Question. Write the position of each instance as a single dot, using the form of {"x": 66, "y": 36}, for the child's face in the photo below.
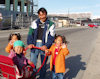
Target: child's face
{"x": 14, "y": 38}
{"x": 18, "y": 49}
{"x": 58, "y": 41}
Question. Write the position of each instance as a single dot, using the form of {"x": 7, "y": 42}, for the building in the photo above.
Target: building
{"x": 61, "y": 21}
{"x": 8, "y": 7}
{"x": 17, "y": 5}
{"x": 97, "y": 21}
{"x": 17, "y": 12}
{"x": 75, "y": 19}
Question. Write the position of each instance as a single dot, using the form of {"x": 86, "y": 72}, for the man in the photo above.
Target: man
{"x": 41, "y": 34}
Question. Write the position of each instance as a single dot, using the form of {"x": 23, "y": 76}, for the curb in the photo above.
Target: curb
{"x": 13, "y": 30}
{"x": 57, "y": 28}
{"x": 24, "y": 31}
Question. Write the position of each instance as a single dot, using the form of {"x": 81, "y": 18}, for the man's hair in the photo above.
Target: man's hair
{"x": 43, "y": 10}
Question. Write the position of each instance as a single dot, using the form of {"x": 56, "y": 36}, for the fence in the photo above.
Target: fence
{"x": 20, "y": 21}
{"x": 5, "y": 22}
{"x": 23, "y": 21}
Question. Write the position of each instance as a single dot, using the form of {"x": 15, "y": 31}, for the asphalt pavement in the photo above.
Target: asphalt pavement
{"x": 93, "y": 68}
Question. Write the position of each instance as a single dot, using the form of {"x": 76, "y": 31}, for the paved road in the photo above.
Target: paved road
{"x": 81, "y": 44}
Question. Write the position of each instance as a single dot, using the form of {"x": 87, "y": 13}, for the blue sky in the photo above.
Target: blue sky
{"x": 74, "y": 6}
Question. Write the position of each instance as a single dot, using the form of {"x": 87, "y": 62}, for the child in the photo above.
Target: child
{"x": 12, "y": 39}
{"x": 18, "y": 57}
{"x": 58, "y": 51}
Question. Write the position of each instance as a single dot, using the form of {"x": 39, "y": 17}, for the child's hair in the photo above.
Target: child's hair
{"x": 63, "y": 38}
{"x": 12, "y": 34}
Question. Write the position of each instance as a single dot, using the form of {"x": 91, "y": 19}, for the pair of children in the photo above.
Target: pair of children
{"x": 58, "y": 51}
{"x": 16, "y": 49}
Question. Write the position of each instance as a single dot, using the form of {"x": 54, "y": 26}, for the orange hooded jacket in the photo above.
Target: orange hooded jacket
{"x": 60, "y": 59}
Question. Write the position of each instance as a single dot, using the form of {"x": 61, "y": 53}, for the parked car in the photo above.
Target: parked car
{"x": 93, "y": 25}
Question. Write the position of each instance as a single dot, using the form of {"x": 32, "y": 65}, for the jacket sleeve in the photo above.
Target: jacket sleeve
{"x": 8, "y": 48}
{"x": 65, "y": 51}
{"x": 12, "y": 54}
{"x": 51, "y": 35}
{"x": 30, "y": 37}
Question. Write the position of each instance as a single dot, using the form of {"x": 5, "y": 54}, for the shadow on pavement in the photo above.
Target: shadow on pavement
{"x": 48, "y": 72}
{"x": 73, "y": 66}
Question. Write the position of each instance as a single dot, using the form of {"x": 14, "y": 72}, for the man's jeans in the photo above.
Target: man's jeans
{"x": 56, "y": 75}
{"x": 34, "y": 57}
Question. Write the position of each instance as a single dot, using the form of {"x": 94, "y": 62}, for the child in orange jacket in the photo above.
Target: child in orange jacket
{"x": 58, "y": 51}
{"x": 12, "y": 38}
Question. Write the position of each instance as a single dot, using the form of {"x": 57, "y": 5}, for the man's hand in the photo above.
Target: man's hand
{"x": 30, "y": 46}
{"x": 44, "y": 48}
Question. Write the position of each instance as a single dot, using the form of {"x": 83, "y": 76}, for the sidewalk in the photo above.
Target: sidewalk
{"x": 93, "y": 67}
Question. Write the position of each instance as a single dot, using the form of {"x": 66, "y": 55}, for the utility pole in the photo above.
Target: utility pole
{"x": 11, "y": 21}
{"x": 68, "y": 18}
{"x": 32, "y": 7}
{"x": 27, "y": 7}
